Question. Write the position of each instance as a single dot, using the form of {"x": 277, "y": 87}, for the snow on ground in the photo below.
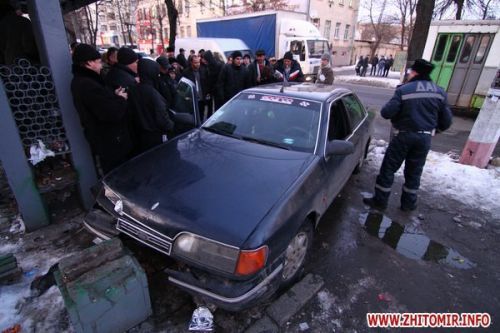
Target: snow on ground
{"x": 443, "y": 175}
{"x": 376, "y": 81}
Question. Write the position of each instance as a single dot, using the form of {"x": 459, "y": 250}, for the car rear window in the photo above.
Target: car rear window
{"x": 287, "y": 121}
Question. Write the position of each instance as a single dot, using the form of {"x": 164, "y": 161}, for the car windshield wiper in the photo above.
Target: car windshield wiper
{"x": 265, "y": 142}
{"x": 221, "y": 132}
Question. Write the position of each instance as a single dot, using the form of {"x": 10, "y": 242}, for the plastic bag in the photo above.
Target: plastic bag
{"x": 201, "y": 320}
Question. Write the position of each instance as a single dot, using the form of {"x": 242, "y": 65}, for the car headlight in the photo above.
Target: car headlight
{"x": 110, "y": 195}
{"x": 206, "y": 252}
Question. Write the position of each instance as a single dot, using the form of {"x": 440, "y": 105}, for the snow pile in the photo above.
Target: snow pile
{"x": 478, "y": 188}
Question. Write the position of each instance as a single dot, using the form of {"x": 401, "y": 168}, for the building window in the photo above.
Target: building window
{"x": 316, "y": 21}
{"x": 112, "y": 27}
{"x": 182, "y": 32}
{"x": 188, "y": 31}
{"x": 104, "y": 27}
{"x": 180, "y": 7}
{"x": 350, "y": 3}
{"x": 341, "y": 2}
{"x": 346, "y": 32}
{"x": 336, "y": 34}
{"x": 328, "y": 27}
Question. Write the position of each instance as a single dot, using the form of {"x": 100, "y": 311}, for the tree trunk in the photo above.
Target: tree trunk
{"x": 172, "y": 21}
{"x": 420, "y": 31}
{"x": 160, "y": 24}
{"x": 460, "y": 8}
{"x": 120, "y": 17}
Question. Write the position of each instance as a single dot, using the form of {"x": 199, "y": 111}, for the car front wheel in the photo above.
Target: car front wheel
{"x": 296, "y": 253}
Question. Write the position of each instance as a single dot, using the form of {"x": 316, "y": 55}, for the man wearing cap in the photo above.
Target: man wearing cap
{"x": 124, "y": 72}
{"x": 260, "y": 71}
{"x": 233, "y": 78}
{"x": 325, "y": 73}
{"x": 103, "y": 114}
{"x": 417, "y": 109}
{"x": 181, "y": 58}
{"x": 288, "y": 69}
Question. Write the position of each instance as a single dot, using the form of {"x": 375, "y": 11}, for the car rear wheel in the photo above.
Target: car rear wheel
{"x": 296, "y": 253}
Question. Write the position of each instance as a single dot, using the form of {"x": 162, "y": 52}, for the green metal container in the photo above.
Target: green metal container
{"x": 104, "y": 289}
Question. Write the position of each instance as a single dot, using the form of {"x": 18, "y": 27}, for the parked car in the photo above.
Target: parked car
{"x": 236, "y": 200}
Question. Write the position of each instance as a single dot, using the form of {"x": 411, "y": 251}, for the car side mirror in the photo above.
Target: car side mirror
{"x": 339, "y": 147}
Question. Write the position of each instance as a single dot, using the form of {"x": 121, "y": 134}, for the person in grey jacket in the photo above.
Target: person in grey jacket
{"x": 417, "y": 109}
{"x": 325, "y": 73}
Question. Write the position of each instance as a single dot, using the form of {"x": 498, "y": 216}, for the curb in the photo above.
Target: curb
{"x": 287, "y": 305}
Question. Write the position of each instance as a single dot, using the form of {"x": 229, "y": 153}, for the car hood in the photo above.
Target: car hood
{"x": 215, "y": 186}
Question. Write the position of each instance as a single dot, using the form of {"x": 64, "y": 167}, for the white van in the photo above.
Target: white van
{"x": 220, "y": 47}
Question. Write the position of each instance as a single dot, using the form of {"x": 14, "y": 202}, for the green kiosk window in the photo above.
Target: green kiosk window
{"x": 438, "y": 55}
{"x": 455, "y": 45}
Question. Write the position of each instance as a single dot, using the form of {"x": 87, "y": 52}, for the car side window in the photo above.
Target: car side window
{"x": 354, "y": 109}
{"x": 339, "y": 127}
{"x": 184, "y": 98}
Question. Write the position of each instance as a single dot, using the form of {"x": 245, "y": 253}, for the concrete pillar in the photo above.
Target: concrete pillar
{"x": 53, "y": 46}
{"x": 485, "y": 132}
{"x": 18, "y": 171}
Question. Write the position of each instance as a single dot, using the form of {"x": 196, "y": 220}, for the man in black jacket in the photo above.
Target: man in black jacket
{"x": 103, "y": 114}
{"x": 148, "y": 108}
{"x": 416, "y": 110}
{"x": 124, "y": 73}
{"x": 199, "y": 76}
{"x": 260, "y": 71}
{"x": 233, "y": 78}
{"x": 374, "y": 62}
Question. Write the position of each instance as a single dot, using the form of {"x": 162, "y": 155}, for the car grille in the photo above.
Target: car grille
{"x": 145, "y": 236}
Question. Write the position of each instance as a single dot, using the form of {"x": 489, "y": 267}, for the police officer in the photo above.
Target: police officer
{"x": 417, "y": 109}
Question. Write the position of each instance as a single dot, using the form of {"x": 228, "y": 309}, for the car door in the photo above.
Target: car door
{"x": 185, "y": 111}
{"x": 338, "y": 167}
{"x": 357, "y": 119}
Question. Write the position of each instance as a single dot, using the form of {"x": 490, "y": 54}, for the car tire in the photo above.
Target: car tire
{"x": 296, "y": 254}
{"x": 362, "y": 159}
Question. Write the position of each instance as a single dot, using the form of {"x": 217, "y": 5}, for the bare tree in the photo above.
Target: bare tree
{"x": 91, "y": 18}
{"x": 126, "y": 11}
{"x": 260, "y": 5}
{"x": 484, "y": 6}
{"x": 379, "y": 27}
{"x": 161, "y": 13}
{"x": 406, "y": 19}
{"x": 458, "y": 6}
{"x": 423, "y": 20}
{"x": 173, "y": 14}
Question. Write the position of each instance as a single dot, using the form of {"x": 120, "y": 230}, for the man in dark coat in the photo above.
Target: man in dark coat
{"x": 260, "y": 70}
{"x": 148, "y": 108}
{"x": 388, "y": 64}
{"x": 374, "y": 62}
{"x": 199, "y": 76}
{"x": 214, "y": 67}
{"x": 364, "y": 66}
{"x": 233, "y": 78}
{"x": 181, "y": 58}
{"x": 416, "y": 110}
{"x": 124, "y": 73}
{"x": 103, "y": 114}
{"x": 16, "y": 36}
{"x": 289, "y": 69}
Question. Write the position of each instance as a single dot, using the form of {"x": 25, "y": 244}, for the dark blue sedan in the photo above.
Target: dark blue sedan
{"x": 237, "y": 199}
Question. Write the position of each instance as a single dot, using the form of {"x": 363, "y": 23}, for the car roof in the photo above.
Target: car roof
{"x": 305, "y": 90}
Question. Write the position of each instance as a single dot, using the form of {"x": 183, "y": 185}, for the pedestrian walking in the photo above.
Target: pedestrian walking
{"x": 359, "y": 64}
{"x": 373, "y": 62}
{"x": 417, "y": 109}
{"x": 364, "y": 66}
{"x": 381, "y": 66}
{"x": 325, "y": 73}
{"x": 181, "y": 58}
{"x": 199, "y": 76}
{"x": 388, "y": 64}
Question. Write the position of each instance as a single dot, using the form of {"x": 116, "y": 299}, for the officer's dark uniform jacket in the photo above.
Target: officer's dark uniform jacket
{"x": 418, "y": 105}
{"x": 416, "y": 109}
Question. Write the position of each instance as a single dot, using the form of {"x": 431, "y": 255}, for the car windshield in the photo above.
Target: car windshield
{"x": 279, "y": 121}
{"x": 317, "y": 48}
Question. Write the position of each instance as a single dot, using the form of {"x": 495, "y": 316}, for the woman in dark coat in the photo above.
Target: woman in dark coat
{"x": 148, "y": 108}
{"x": 103, "y": 114}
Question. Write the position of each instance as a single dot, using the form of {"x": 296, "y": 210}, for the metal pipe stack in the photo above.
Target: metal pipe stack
{"x": 34, "y": 105}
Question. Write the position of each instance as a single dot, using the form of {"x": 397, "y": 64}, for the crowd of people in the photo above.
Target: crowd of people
{"x": 123, "y": 100}
{"x": 379, "y": 66}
